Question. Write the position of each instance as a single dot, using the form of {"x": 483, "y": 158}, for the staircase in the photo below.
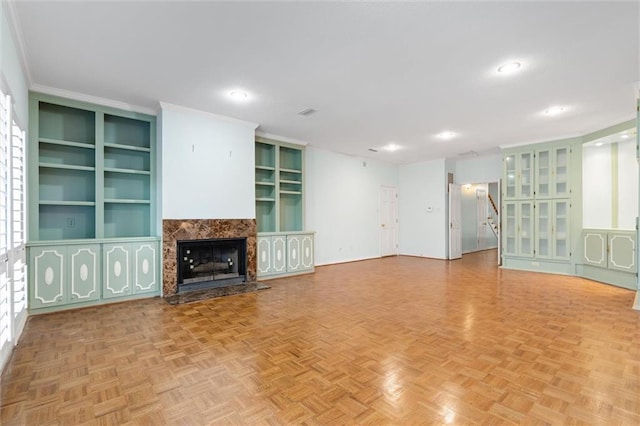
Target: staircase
{"x": 493, "y": 219}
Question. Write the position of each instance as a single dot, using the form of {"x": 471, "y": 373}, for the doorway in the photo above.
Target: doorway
{"x": 388, "y": 221}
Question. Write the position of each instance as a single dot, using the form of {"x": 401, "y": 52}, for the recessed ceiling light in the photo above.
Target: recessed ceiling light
{"x": 509, "y": 68}
{"x": 598, "y": 143}
{"x": 625, "y": 136}
{"x": 391, "y": 147}
{"x": 554, "y": 110}
{"x": 446, "y": 134}
{"x": 239, "y": 95}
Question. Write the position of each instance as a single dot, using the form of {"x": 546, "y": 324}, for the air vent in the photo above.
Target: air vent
{"x": 306, "y": 111}
{"x": 468, "y": 154}
{"x": 373, "y": 150}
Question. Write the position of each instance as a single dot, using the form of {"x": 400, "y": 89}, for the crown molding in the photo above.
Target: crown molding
{"x": 92, "y": 99}
{"x": 187, "y": 110}
{"x": 281, "y": 138}
{"x": 16, "y": 32}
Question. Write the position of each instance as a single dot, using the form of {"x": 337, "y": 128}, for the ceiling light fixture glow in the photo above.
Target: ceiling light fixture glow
{"x": 239, "y": 95}
{"x": 625, "y": 136}
{"x": 509, "y": 68}
{"x": 391, "y": 147}
{"x": 554, "y": 110}
{"x": 446, "y": 134}
{"x": 599, "y": 144}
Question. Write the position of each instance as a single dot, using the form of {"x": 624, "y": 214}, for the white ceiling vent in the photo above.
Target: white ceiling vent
{"x": 306, "y": 111}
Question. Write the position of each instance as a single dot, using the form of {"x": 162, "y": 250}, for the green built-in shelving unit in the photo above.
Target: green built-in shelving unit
{"x": 92, "y": 217}
{"x": 279, "y": 186}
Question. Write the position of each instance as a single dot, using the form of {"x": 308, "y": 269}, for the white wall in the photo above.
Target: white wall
{"x": 596, "y": 186}
{"x": 12, "y": 77}
{"x": 627, "y": 185}
{"x": 422, "y": 197}
{"x": 479, "y": 170}
{"x": 207, "y": 165}
{"x": 341, "y": 204}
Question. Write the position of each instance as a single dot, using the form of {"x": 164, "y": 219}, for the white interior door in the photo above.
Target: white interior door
{"x": 481, "y": 217}
{"x": 455, "y": 221}
{"x": 388, "y": 221}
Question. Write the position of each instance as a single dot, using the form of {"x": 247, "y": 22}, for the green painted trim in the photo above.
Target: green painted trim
{"x": 615, "y": 186}
{"x": 609, "y": 130}
{"x": 607, "y": 276}
{"x": 90, "y": 107}
{"x": 67, "y": 307}
{"x": 99, "y": 177}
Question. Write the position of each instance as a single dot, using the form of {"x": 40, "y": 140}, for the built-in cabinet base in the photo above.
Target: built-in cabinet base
{"x": 283, "y": 254}
{"x": 65, "y": 275}
{"x": 537, "y": 265}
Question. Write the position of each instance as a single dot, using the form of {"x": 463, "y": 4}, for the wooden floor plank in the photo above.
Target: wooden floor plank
{"x": 397, "y": 340}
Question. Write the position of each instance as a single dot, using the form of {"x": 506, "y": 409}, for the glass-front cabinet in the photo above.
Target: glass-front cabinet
{"x": 552, "y": 229}
{"x": 536, "y": 208}
{"x": 552, "y": 172}
{"x": 518, "y": 175}
{"x": 518, "y": 216}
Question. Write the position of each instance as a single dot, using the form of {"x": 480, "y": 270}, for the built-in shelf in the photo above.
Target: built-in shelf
{"x": 129, "y": 171}
{"x": 66, "y": 203}
{"x": 66, "y": 166}
{"x": 67, "y": 143}
{"x": 127, "y": 147}
{"x": 290, "y": 170}
{"x": 279, "y": 187}
{"x": 92, "y": 171}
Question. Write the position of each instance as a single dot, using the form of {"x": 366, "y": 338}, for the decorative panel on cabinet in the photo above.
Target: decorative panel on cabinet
{"x": 272, "y": 255}
{"x": 130, "y": 268}
{"x": 610, "y": 256}
{"x": 64, "y": 275}
{"x": 283, "y": 254}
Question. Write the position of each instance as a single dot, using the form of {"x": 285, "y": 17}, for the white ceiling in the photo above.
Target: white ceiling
{"x": 375, "y": 72}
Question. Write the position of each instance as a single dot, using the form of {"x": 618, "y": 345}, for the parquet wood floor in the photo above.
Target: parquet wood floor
{"x": 397, "y": 340}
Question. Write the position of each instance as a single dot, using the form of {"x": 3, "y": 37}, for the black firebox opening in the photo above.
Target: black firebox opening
{"x": 211, "y": 263}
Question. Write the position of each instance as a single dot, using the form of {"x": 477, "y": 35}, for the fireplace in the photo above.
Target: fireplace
{"x": 211, "y": 263}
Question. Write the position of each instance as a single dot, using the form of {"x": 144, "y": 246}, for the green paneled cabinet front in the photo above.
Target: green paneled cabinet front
{"x": 299, "y": 252}
{"x": 63, "y": 275}
{"x": 129, "y": 268}
{"x": 272, "y": 255}
{"x": 281, "y": 254}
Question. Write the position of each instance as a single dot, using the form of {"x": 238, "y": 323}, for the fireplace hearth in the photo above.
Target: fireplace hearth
{"x": 211, "y": 263}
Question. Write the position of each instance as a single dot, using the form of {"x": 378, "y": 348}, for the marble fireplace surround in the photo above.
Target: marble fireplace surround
{"x": 174, "y": 230}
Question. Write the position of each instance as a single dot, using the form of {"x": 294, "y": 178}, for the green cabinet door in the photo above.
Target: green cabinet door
{"x": 279, "y": 254}
{"x": 595, "y": 248}
{"x": 307, "y": 252}
{"x": 47, "y": 269}
{"x": 294, "y": 261}
{"x": 84, "y": 273}
{"x": 145, "y": 267}
{"x": 265, "y": 265}
{"x": 117, "y": 268}
{"x": 622, "y": 251}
